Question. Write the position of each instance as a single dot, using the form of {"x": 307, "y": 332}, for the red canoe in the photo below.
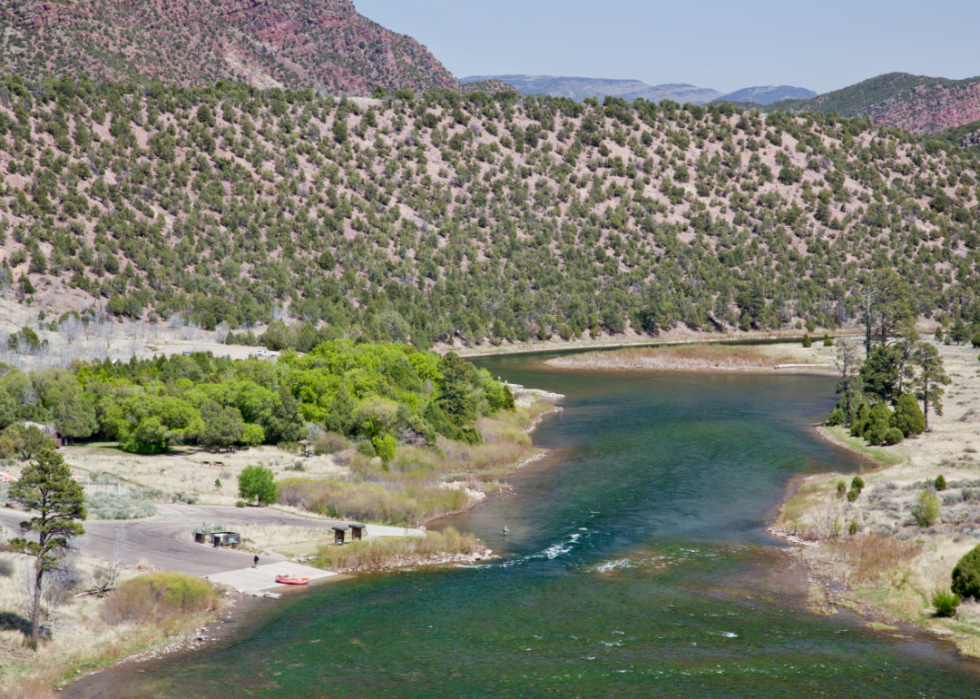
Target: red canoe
{"x": 290, "y": 580}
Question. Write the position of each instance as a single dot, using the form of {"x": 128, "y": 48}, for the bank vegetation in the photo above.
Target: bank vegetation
{"x": 435, "y": 548}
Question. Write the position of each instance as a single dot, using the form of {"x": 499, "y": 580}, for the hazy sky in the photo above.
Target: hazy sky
{"x": 721, "y": 44}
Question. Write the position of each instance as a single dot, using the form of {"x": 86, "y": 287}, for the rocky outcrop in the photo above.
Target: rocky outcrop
{"x": 323, "y": 44}
{"x": 929, "y": 109}
{"x": 915, "y": 103}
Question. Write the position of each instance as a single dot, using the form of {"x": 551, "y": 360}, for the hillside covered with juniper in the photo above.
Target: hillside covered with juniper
{"x": 467, "y": 218}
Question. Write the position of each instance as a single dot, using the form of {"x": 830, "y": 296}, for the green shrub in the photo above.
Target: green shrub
{"x": 240, "y": 503}
{"x": 879, "y": 422}
{"x": 975, "y": 341}
{"x": 852, "y": 495}
{"x": 807, "y": 342}
{"x": 941, "y": 482}
{"x": 926, "y": 509}
{"x": 879, "y": 411}
{"x": 853, "y": 528}
{"x": 257, "y": 483}
{"x": 893, "y": 436}
{"x": 329, "y": 443}
{"x": 877, "y": 432}
{"x": 252, "y": 436}
{"x": 863, "y": 412}
{"x": 111, "y": 506}
{"x": 857, "y": 428}
{"x": 857, "y": 483}
{"x": 366, "y": 448}
{"x": 827, "y": 342}
{"x": 966, "y": 575}
{"x": 386, "y": 447}
{"x": 841, "y": 488}
{"x": 908, "y": 416}
{"x": 945, "y": 603}
{"x": 836, "y": 417}
{"x": 158, "y": 597}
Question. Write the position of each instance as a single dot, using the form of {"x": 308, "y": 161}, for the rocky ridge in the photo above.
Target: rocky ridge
{"x": 322, "y": 44}
{"x": 917, "y": 104}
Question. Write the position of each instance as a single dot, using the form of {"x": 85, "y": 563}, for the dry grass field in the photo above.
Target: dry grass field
{"x": 193, "y": 471}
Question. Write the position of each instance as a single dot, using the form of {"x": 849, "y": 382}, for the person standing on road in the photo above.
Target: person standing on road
{"x": 255, "y": 561}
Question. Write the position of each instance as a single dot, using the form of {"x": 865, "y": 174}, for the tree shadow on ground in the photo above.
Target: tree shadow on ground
{"x": 14, "y": 622}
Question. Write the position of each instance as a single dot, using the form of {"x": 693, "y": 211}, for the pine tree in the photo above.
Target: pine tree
{"x": 47, "y": 488}
{"x": 454, "y": 389}
{"x": 930, "y": 380}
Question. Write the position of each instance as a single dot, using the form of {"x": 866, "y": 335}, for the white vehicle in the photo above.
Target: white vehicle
{"x": 265, "y": 354}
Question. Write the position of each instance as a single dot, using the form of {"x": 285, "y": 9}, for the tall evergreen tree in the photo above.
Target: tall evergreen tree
{"x": 930, "y": 379}
{"x": 455, "y": 388}
{"x": 47, "y": 488}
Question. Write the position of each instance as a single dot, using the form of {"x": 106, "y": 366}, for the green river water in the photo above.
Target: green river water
{"x": 637, "y": 565}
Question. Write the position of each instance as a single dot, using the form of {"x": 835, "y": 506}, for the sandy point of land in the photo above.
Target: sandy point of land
{"x": 785, "y": 357}
{"x": 891, "y": 567}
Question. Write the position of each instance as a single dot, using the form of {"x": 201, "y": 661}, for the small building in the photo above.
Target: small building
{"x": 220, "y": 539}
{"x": 49, "y": 430}
{"x": 358, "y": 532}
{"x": 338, "y": 535}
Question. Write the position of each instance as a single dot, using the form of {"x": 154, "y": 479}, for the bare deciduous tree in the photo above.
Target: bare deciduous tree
{"x": 70, "y": 328}
{"x": 107, "y": 333}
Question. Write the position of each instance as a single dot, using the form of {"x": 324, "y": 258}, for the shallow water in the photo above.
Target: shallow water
{"x": 637, "y": 564}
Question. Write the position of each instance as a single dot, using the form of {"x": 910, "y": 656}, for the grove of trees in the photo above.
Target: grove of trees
{"x": 380, "y": 394}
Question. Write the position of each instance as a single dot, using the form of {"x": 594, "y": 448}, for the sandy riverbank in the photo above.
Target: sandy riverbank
{"x": 676, "y": 336}
{"x": 889, "y": 569}
{"x": 783, "y": 357}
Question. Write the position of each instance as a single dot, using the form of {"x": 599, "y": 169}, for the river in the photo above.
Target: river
{"x": 637, "y": 565}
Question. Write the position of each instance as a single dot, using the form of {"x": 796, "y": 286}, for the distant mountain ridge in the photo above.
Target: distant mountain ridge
{"x": 768, "y": 94}
{"x": 322, "y": 44}
{"x": 915, "y": 103}
{"x": 581, "y": 88}
{"x": 578, "y": 88}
